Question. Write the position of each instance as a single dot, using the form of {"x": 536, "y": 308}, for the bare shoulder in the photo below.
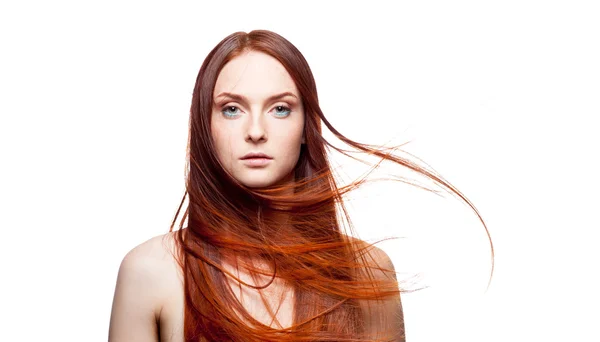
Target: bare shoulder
{"x": 146, "y": 277}
{"x": 157, "y": 250}
{"x": 151, "y": 257}
{"x": 382, "y": 318}
{"x": 376, "y": 258}
{"x": 155, "y": 259}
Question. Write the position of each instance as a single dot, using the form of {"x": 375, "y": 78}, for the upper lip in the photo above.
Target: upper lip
{"x": 256, "y": 155}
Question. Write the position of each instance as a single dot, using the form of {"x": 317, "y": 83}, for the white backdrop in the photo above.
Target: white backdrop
{"x": 499, "y": 97}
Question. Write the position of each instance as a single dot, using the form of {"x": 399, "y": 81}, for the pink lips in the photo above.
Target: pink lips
{"x": 256, "y": 159}
{"x": 256, "y": 155}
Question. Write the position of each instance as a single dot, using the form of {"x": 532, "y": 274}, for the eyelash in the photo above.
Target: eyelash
{"x": 285, "y": 108}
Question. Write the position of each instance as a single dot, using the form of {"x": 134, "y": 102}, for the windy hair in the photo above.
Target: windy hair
{"x": 337, "y": 283}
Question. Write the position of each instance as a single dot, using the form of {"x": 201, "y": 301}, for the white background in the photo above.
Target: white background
{"x": 499, "y": 97}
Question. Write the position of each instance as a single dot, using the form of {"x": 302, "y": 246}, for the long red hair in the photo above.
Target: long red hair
{"x": 328, "y": 271}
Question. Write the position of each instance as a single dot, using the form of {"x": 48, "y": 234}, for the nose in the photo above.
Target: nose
{"x": 256, "y": 130}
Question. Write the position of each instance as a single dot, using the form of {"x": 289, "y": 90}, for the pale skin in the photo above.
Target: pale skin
{"x": 148, "y": 301}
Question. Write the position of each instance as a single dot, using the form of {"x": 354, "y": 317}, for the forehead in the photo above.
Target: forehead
{"x": 255, "y": 75}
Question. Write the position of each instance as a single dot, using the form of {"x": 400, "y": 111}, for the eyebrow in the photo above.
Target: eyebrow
{"x": 242, "y": 98}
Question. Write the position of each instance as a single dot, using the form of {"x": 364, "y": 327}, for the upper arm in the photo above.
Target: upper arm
{"x": 136, "y": 304}
{"x": 383, "y": 317}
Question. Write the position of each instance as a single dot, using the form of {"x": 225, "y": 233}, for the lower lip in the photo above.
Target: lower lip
{"x": 256, "y": 161}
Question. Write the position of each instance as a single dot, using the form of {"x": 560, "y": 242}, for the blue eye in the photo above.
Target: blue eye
{"x": 286, "y": 110}
{"x": 233, "y": 111}
{"x": 226, "y": 109}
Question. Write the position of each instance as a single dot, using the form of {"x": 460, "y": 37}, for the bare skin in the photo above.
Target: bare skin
{"x": 257, "y": 108}
{"x": 148, "y": 302}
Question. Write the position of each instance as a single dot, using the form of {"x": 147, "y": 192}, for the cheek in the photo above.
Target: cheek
{"x": 292, "y": 142}
{"x": 222, "y": 141}
{"x": 286, "y": 140}
{"x": 292, "y": 132}
{"x": 216, "y": 137}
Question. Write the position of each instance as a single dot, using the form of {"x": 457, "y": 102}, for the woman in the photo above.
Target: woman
{"x": 262, "y": 257}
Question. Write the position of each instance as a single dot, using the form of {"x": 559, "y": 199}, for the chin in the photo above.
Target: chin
{"x": 260, "y": 181}
{"x": 258, "y": 184}
{"x": 254, "y": 181}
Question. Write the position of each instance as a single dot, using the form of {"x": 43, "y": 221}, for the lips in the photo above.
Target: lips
{"x": 253, "y": 155}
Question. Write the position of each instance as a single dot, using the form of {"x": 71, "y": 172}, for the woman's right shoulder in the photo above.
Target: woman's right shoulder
{"x": 155, "y": 256}
{"x": 147, "y": 277}
{"x": 157, "y": 250}
{"x": 154, "y": 263}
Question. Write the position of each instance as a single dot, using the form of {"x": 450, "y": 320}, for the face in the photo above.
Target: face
{"x": 249, "y": 116}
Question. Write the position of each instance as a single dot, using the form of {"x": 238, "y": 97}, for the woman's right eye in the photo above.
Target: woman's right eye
{"x": 227, "y": 111}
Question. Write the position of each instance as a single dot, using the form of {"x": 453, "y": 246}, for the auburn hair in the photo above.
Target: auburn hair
{"x": 328, "y": 270}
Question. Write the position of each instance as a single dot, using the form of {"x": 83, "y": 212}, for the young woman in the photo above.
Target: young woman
{"x": 263, "y": 257}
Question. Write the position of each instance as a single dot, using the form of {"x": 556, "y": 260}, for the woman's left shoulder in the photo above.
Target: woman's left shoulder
{"x": 385, "y": 318}
{"x": 375, "y": 257}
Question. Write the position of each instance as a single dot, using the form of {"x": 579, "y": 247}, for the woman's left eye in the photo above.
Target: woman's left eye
{"x": 282, "y": 111}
